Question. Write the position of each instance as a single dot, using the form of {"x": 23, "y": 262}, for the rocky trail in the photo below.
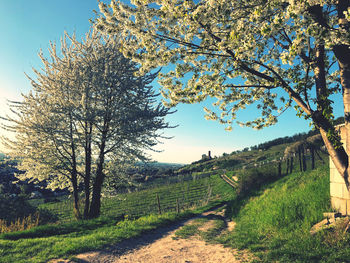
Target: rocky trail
{"x": 172, "y": 244}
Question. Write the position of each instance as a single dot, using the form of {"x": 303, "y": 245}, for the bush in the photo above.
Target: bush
{"x": 252, "y": 179}
{"x": 20, "y": 224}
{"x": 12, "y": 208}
{"x": 17, "y": 214}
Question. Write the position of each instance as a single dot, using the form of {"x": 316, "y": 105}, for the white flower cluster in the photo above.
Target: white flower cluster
{"x": 241, "y": 52}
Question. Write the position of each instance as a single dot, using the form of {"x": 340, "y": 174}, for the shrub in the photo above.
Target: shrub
{"x": 252, "y": 179}
{"x": 12, "y": 208}
{"x": 17, "y": 214}
{"x": 20, "y": 224}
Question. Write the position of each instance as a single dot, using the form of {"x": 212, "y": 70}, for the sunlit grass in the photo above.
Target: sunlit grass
{"x": 63, "y": 240}
{"x": 49, "y": 242}
{"x": 182, "y": 195}
{"x": 275, "y": 222}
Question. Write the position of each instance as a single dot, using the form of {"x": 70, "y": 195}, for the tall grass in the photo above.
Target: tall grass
{"x": 275, "y": 222}
{"x": 20, "y": 224}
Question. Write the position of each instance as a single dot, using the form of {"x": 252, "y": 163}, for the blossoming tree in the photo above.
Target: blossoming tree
{"x": 87, "y": 113}
{"x": 271, "y": 54}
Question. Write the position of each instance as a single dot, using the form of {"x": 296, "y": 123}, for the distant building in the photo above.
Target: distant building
{"x": 206, "y": 157}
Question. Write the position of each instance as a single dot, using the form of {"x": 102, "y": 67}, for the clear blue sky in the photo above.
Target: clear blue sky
{"x": 28, "y": 26}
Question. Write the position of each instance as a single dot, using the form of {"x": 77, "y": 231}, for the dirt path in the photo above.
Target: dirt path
{"x": 162, "y": 246}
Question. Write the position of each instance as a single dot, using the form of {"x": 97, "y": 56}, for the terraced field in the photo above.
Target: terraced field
{"x": 172, "y": 197}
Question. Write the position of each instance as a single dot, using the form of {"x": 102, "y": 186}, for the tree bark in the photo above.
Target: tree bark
{"x": 87, "y": 177}
{"x": 95, "y": 207}
{"x": 342, "y": 52}
{"x": 76, "y": 208}
{"x": 74, "y": 172}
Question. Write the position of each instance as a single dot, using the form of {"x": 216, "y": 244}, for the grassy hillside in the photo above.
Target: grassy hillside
{"x": 275, "y": 222}
{"x": 171, "y": 197}
{"x": 122, "y": 220}
{"x": 242, "y": 160}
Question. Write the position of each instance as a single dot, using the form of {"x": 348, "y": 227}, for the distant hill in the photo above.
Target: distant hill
{"x": 261, "y": 154}
{"x": 161, "y": 165}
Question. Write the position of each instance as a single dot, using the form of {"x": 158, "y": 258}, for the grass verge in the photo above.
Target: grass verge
{"x": 275, "y": 223}
{"x": 44, "y": 243}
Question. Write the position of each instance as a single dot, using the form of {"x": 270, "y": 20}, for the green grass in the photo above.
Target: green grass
{"x": 275, "y": 223}
{"x": 124, "y": 220}
{"x": 185, "y": 195}
{"x": 187, "y": 231}
{"x": 78, "y": 237}
{"x": 212, "y": 233}
{"x": 209, "y": 234}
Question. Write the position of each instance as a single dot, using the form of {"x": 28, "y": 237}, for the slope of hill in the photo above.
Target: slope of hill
{"x": 239, "y": 160}
{"x": 275, "y": 221}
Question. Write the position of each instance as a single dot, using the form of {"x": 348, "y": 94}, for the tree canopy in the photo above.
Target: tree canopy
{"x": 271, "y": 54}
{"x": 86, "y": 114}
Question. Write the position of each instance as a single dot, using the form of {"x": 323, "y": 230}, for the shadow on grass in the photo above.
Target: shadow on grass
{"x": 77, "y": 227}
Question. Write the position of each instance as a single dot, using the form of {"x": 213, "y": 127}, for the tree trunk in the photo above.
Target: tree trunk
{"x": 76, "y": 208}
{"x": 95, "y": 207}
{"x": 87, "y": 186}
{"x": 339, "y": 156}
{"x": 287, "y": 170}
{"x": 291, "y": 164}
{"x": 87, "y": 170}
{"x": 74, "y": 172}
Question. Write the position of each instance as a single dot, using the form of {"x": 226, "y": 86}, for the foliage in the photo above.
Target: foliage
{"x": 20, "y": 224}
{"x": 12, "y": 208}
{"x": 16, "y": 213}
{"x": 8, "y": 169}
{"x": 287, "y": 139}
{"x": 266, "y": 54}
{"x": 223, "y": 40}
{"x": 251, "y": 180}
{"x": 87, "y": 114}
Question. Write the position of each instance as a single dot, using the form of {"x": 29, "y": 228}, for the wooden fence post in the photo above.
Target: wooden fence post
{"x": 177, "y": 206}
{"x": 279, "y": 169}
{"x": 158, "y": 202}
